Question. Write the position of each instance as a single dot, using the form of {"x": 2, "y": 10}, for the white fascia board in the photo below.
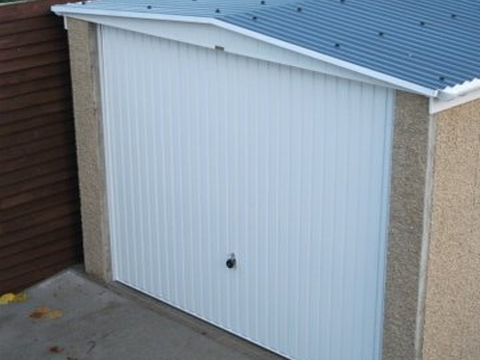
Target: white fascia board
{"x": 452, "y": 92}
{"x": 213, "y": 37}
{"x": 386, "y": 80}
{"x": 455, "y": 95}
{"x": 392, "y": 81}
{"x": 438, "y": 105}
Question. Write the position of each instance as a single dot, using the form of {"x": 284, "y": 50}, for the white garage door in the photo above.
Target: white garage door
{"x": 210, "y": 154}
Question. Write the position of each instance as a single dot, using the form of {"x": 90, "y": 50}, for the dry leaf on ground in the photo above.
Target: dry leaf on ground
{"x": 56, "y": 349}
{"x": 20, "y": 297}
{"x": 7, "y": 298}
{"x": 44, "y": 312}
{"x": 10, "y": 298}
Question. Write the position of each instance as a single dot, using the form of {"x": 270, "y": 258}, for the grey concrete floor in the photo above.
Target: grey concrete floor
{"x": 114, "y": 322}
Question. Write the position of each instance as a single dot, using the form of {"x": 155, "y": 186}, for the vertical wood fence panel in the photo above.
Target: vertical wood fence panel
{"x": 40, "y": 230}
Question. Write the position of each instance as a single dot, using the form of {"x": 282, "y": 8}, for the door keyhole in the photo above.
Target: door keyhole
{"x": 231, "y": 261}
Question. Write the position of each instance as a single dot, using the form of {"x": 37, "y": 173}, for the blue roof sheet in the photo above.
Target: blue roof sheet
{"x": 431, "y": 43}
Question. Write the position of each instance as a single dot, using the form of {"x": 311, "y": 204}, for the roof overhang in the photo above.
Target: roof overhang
{"x": 455, "y": 95}
{"x": 440, "y": 99}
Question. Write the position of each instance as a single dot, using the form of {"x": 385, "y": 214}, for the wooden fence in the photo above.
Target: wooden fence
{"x": 40, "y": 231}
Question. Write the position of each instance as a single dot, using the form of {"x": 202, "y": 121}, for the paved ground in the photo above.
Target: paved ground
{"x": 114, "y": 323}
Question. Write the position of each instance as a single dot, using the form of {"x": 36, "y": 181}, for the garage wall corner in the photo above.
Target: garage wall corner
{"x": 409, "y": 214}
{"x": 82, "y": 39}
{"x": 452, "y": 317}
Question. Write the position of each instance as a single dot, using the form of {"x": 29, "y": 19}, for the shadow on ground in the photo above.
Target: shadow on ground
{"x": 99, "y": 323}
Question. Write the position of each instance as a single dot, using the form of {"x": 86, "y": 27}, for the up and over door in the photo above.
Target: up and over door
{"x": 247, "y": 193}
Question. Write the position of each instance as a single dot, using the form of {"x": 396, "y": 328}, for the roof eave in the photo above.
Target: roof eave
{"x": 69, "y": 10}
{"x": 453, "y": 92}
{"x": 456, "y": 95}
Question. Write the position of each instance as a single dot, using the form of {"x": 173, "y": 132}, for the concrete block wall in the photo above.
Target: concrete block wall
{"x": 452, "y": 305}
{"x": 90, "y": 152}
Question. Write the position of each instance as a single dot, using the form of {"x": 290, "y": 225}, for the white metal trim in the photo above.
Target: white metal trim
{"x": 362, "y": 70}
{"x": 66, "y": 10}
{"x": 452, "y": 92}
{"x": 212, "y": 37}
{"x": 108, "y": 172}
{"x": 437, "y": 105}
{"x": 386, "y": 189}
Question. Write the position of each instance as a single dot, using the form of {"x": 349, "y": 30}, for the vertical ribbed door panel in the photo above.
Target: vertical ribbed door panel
{"x": 210, "y": 154}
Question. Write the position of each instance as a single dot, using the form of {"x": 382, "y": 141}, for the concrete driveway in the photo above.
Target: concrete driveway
{"x": 94, "y": 322}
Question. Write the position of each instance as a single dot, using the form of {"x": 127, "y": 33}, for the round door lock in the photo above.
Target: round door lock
{"x": 231, "y": 262}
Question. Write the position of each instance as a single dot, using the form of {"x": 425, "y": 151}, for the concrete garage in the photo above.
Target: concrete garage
{"x": 302, "y": 175}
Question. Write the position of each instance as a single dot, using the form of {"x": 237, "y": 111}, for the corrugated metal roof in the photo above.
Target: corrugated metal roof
{"x": 431, "y": 43}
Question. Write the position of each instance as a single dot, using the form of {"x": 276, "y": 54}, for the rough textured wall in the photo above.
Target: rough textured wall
{"x": 406, "y": 233}
{"x": 452, "y": 322}
{"x": 89, "y": 139}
